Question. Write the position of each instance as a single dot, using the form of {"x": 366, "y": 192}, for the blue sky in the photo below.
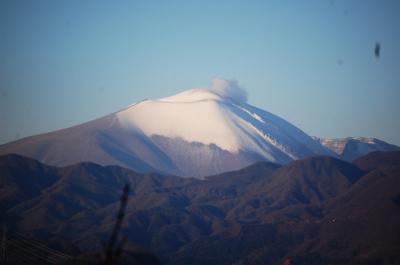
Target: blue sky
{"x": 310, "y": 62}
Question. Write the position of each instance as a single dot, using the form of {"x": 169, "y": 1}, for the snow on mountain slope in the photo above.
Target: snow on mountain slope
{"x": 202, "y": 116}
{"x": 351, "y": 148}
{"x": 197, "y": 132}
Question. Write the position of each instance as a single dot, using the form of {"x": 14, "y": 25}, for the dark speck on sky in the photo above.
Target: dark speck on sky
{"x": 377, "y": 50}
{"x": 3, "y": 94}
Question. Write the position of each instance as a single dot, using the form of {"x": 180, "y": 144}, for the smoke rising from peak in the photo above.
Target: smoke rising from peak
{"x": 228, "y": 88}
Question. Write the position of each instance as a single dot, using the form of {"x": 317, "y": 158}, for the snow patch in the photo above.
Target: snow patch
{"x": 220, "y": 116}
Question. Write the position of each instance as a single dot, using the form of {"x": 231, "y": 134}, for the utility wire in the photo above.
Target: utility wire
{"x": 43, "y": 247}
{"x": 23, "y": 248}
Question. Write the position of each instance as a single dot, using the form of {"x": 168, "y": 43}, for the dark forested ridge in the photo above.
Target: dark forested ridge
{"x": 318, "y": 210}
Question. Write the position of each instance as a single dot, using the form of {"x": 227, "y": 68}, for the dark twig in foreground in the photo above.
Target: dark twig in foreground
{"x": 113, "y": 249}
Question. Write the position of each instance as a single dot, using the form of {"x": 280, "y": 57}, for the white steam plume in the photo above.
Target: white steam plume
{"x": 228, "y": 88}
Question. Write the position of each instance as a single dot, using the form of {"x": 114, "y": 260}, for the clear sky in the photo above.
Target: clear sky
{"x": 311, "y": 62}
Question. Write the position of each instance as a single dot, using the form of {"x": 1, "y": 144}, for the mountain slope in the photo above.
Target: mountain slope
{"x": 318, "y": 210}
{"x": 22, "y": 179}
{"x": 194, "y": 133}
{"x": 351, "y": 148}
{"x": 311, "y": 180}
{"x": 362, "y": 225}
{"x": 378, "y": 160}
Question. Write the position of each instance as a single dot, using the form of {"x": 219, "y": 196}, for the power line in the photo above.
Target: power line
{"x": 21, "y": 247}
{"x": 27, "y": 258}
{"x": 43, "y": 247}
{"x": 22, "y": 250}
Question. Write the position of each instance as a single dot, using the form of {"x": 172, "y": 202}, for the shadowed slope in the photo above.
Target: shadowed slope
{"x": 319, "y": 210}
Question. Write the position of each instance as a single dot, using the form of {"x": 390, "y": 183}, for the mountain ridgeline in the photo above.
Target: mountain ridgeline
{"x": 317, "y": 210}
{"x": 195, "y": 133}
{"x": 351, "y": 148}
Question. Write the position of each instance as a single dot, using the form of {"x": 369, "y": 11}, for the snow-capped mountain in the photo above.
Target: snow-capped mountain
{"x": 197, "y": 132}
{"x": 351, "y": 148}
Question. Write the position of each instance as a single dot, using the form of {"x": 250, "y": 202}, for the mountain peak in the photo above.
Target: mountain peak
{"x": 213, "y": 118}
{"x": 220, "y": 89}
{"x": 197, "y": 132}
{"x": 192, "y": 95}
{"x": 351, "y": 148}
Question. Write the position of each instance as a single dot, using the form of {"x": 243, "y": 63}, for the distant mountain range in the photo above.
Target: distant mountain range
{"x": 195, "y": 133}
{"x": 351, "y": 148}
{"x": 318, "y": 210}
